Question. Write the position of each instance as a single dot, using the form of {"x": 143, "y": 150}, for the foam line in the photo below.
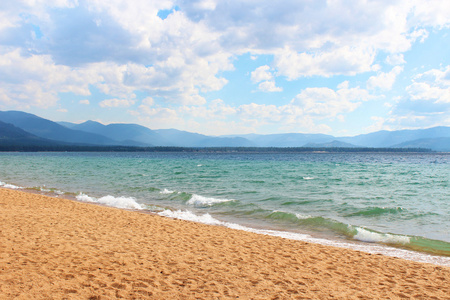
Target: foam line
{"x": 119, "y": 202}
{"x": 201, "y": 201}
{"x": 368, "y": 248}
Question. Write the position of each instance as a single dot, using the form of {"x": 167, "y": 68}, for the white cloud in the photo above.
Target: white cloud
{"x": 307, "y": 39}
{"x": 262, "y": 112}
{"x": 159, "y": 117}
{"x": 191, "y": 99}
{"x": 327, "y": 103}
{"x": 85, "y": 102}
{"x": 426, "y": 102}
{"x": 378, "y": 124}
{"x": 307, "y": 110}
{"x": 426, "y": 91}
{"x": 431, "y": 13}
{"x": 261, "y": 74}
{"x": 342, "y": 61}
{"x": 123, "y": 49}
{"x": 269, "y": 86}
{"x": 264, "y": 74}
{"x": 437, "y": 77}
{"x": 36, "y": 80}
{"x": 116, "y": 103}
{"x": 376, "y": 67}
{"x": 115, "y": 39}
{"x": 310, "y": 39}
{"x": 205, "y": 4}
{"x": 291, "y": 117}
{"x": 433, "y": 85}
{"x": 159, "y": 112}
{"x": 420, "y": 34}
{"x": 395, "y": 59}
{"x": 343, "y": 85}
{"x": 384, "y": 81}
{"x": 148, "y": 101}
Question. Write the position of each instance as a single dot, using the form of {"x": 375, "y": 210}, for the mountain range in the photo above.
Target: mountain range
{"x": 21, "y": 128}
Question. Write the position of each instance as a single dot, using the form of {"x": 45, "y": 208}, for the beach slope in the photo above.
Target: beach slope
{"x": 52, "y": 248}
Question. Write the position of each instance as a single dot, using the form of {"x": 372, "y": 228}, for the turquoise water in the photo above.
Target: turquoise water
{"x": 396, "y": 203}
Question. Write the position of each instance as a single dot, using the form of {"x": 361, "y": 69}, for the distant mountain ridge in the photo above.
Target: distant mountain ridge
{"x": 137, "y": 135}
{"x": 32, "y": 128}
{"x": 286, "y": 139}
{"x": 441, "y": 144}
{"x": 129, "y": 134}
{"x": 332, "y": 144}
{"x": 390, "y": 138}
{"x": 12, "y": 135}
{"x": 51, "y": 130}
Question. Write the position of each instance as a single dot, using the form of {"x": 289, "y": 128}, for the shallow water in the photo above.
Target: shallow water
{"x": 400, "y": 200}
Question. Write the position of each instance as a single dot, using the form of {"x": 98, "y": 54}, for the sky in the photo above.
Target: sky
{"x": 339, "y": 67}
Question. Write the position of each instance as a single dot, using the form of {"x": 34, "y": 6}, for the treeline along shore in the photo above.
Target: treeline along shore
{"x": 78, "y": 148}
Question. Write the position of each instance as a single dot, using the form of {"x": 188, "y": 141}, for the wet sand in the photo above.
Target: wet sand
{"x": 52, "y": 248}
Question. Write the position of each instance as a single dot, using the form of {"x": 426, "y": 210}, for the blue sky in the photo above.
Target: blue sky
{"x": 230, "y": 67}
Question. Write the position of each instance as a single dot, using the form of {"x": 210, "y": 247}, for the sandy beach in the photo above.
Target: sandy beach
{"x": 52, "y": 248}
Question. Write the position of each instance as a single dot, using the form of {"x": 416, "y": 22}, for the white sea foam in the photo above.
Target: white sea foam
{"x": 166, "y": 191}
{"x": 201, "y": 201}
{"x": 308, "y": 178}
{"x": 369, "y": 248}
{"x": 365, "y": 235}
{"x": 84, "y": 198}
{"x": 10, "y": 186}
{"x": 189, "y": 216}
{"x": 119, "y": 202}
{"x": 303, "y": 217}
{"x": 46, "y": 190}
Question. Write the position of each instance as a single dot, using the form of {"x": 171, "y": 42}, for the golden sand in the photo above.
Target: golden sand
{"x": 52, "y": 248}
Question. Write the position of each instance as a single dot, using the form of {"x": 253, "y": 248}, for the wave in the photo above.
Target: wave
{"x": 317, "y": 223}
{"x": 201, "y": 201}
{"x": 189, "y": 216}
{"x": 119, "y": 202}
{"x": 365, "y": 235}
{"x": 416, "y": 243}
{"x": 10, "y": 186}
{"x": 369, "y": 248}
{"x": 374, "y": 242}
{"x": 44, "y": 189}
{"x": 359, "y": 233}
{"x": 166, "y": 191}
{"x": 208, "y": 219}
{"x": 300, "y": 216}
{"x": 376, "y": 211}
{"x": 304, "y": 202}
{"x": 311, "y": 222}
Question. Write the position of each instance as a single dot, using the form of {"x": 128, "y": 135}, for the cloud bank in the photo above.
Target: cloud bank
{"x": 182, "y": 54}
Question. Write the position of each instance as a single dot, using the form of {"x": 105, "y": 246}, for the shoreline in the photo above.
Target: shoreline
{"x": 217, "y": 150}
{"x": 356, "y": 245}
{"x": 58, "y": 248}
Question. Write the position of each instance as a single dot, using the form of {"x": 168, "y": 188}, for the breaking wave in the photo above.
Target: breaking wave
{"x": 119, "y": 202}
{"x": 370, "y": 248}
{"x": 10, "y": 186}
{"x": 201, "y": 201}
